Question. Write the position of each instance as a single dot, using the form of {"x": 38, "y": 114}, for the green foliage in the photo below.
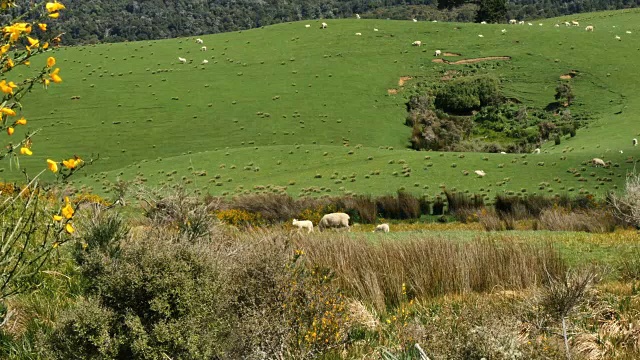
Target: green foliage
{"x": 564, "y": 94}
{"x": 492, "y": 11}
{"x": 462, "y": 95}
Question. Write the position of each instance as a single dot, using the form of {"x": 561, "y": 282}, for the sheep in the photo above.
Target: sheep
{"x": 557, "y": 25}
{"x": 481, "y": 36}
{"x": 539, "y": 24}
{"x": 513, "y": 21}
{"x": 575, "y": 23}
{"x": 358, "y": 34}
{"x": 598, "y": 162}
{"x": 205, "y": 61}
{"x": 634, "y": 141}
{"x": 374, "y": 29}
{"x": 303, "y": 224}
{"x": 503, "y": 153}
{"x": 521, "y": 22}
{"x": 357, "y": 16}
{"x": 480, "y": 173}
{"x": 323, "y": 25}
{"x": 504, "y": 31}
{"x": 204, "y": 48}
{"x": 199, "y": 41}
{"x": 589, "y": 28}
{"x": 483, "y": 22}
{"x": 434, "y": 21}
{"x": 182, "y": 60}
{"x": 307, "y": 26}
{"x": 530, "y": 24}
{"x": 438, "y": 53}
{"x": 618, "y": 38}
{"x": 417, "y": 43}
{"x": 414, "y": 20}
{"x": 566, "y": 23}
{"x": 628, "y": 32}
{"x": 536, "y": 151}
{"x": 382, "y": 228}
{"x": 336, "y": 220}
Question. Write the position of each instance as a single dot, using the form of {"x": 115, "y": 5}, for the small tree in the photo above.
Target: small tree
{"x": 491, "y": 11}
{"x": 564, "y": 94}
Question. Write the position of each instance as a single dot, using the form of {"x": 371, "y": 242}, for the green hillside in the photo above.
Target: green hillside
{"x": 277, "y": 106}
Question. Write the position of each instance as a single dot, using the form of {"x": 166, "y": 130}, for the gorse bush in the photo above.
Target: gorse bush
{"x": 462, "y": 95}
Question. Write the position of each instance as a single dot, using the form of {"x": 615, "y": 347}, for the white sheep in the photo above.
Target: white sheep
{"x": 566, "y": 23}
{"x": 539, "y": 24}
{"x": 513, "y": 21}
{"x": 205, "y": 61}
{"x": 199, "y": 41}
{"x": 357, "y": 16}
{"x": 521, "y": 22}
{"x": 598, "y": 162}
{"x": 307, "y": 26}
{"x": 204, "y": 48}
{"x": 434, "y": 21}
{"x": 503, "y": 153}
{"x": 536, "y": 151}
{"x": 634, "y": 141}
{"x": 480, "y": 173}
{"x": 628, "y": 32}
{"x": 530, "y": 24}
{"x": 182, "y": 60}
{"x": 323, "y": 25}
{"x": 481, "y": 36}
{"x": 414, "y": 20}
{"x": 303, "y": 224}
{"x": 334, "y": 220}
{"x": 557, "y": 25}
{"x": 618, "y": 38}
{"x": 504, "y": 31}
{"x": 575, "y": 23}
{"x": 483, "y": 22}
{"x": 374, "y": 29}
{"x": 438, "y": 53}
{"x": 589, "y": 28}
{"x": 382, "y": 228}
{"x": 417, "y": 43}
{"x": 358, "y": 34}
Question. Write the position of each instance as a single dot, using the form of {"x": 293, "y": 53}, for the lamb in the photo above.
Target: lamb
{"x": 323, "y": 25}
{"x": 303, "y": 224}
{"x": 204, "y": 48}
{"x": 417, "y": 43}
{"x": 358, "y": 34}
{"x": 205, "y": 61}
{"x": 480, "y": 173}
{"x": 634, "y": 142}
{"x": 307, "y": 26}
{"x": 182, "y": 60}
{"x": 598, "y": 162}
{"x": 382, "y": 228}
{"x": 334, "y": 220}
{"x": 536, "y": 151}
{"x": 589, "y": 28}
{"x": 513, "y": 21}
{"x": 438, "y": 53}
{"x": 199, "y": 41}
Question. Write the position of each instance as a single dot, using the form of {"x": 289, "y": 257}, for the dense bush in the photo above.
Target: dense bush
{"x": 462, "y": 95}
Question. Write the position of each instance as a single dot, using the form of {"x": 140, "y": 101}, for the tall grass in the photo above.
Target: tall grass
{"x": 375, "y": 272}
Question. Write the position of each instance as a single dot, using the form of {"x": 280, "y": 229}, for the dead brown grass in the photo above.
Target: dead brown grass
{"x": 593, "y": 221}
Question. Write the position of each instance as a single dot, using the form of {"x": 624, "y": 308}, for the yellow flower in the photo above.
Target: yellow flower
{"x": 46, "y": 83}
{"x": 43, "y": 27}
{"x": 51, "y": 61}
{"x": 32, "y": 41}
{"x": 57, "y": 218}
{"x": 7, "y": 88}
{"x": 9, "y": 63}
{"x": 69, "y": 228}
{"x": 7, "y": 111}
{"x": 55, "y": 244}
{"x": 4, "y": 48}
{"x": 54, "y": 15}
{"x": 26, "y": 151}
{"x": 27, "y": 62}
{"x": 10, "y": 130}
{"x": 54, "y": 6}
{"x": 45, "y": 46}
{"x": 67, "y": 210}
{"x": 55, "y": 77}
{"x": 22, "y": 121}
{"x": 52, "y": 165}
{"x": 71, "y": 163}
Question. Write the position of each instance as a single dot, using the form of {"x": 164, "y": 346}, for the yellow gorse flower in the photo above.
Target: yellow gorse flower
{"x": 67, "y": 210}
{"x": 71, "y": 163}
{"x": 7, "y": 88}
{"x": 55, "y": 6}
{"x": 9, "y": 63}
{"x": 7, "y": 111}
{"x": 55, "y": 77}
{"x": 52, "y": 165}
{"x": 4, "y": 49}
{"x": 21, "y": 121}
{"x": 14, "y": 31}
{"x": 69, "y": 228}
{"x": 43, "y": 27}
{"x": 54, "y": 15}
{"x": 57, "y": 218}
{"x": 33, "y": 42}
{"x": 26, "y": 151}
{"x": 10, "y": 130}
{"x": 51, "y": 61}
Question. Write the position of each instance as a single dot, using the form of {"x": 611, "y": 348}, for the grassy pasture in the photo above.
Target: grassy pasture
{"x": 278, "y": 98}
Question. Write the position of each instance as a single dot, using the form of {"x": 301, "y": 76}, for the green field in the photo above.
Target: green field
{"x": 275, "y": 108}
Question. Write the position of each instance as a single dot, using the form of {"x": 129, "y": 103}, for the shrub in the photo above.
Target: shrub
{"x": 465, "y": 94}
{"x": 593, "y": 221}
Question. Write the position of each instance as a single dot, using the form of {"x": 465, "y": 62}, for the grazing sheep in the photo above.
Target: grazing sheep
{"x": 598, "y": 162}
{"x": 504, "y": 31}
{"x": 480, "y": 173}
{"x": 323, "y": 25}
{"x": 334, "y": 220}
{"x": 182, "y": 60}
{"x": 575, "y": 23}
{"x": 634, "y": 142}
{"x": 438, "y": 53}
{"x": 628, "y": 32}
{"x": 589, "y": 28}
{"x": 503, "y": 153}
{"x": 303, "y": 224}
{"x": 382, "y": 228}
{"x": 521, "y": 22}
{"x": 434, "y": 21}
{"x": 483, "y": 22}
{"x": 358, "y": 34}
{"x": 205, "y": 61}
{"x": 621, "y": 152}
{"x": 539, "y": 24}
{"x": 414, "y": 20}
{"x": 307, "y": 26}
{"x": 566, "y": 23}
{"x": 374, "y": 29}
{"x": 536, "y": 151}
{"x": 557, "y": 25}
{"x": 357, "y": 16}
{"x": 481, "y": 36}
{"x": 417, "y": 43}
{"x": 618, "y": 38}
{"x": 204, "y": 48}
{"x": 530, "y": 24}
{"x": 513, "y": 21}
{"x": 199, "y": 41}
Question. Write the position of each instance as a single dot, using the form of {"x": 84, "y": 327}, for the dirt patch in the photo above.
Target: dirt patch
{"x": 451, "y": 54}
{"x": 403, "y": 79}
{"x": 568, "y": 76}
{"x": 392, "y": 91}
{"x": 471, "y": 61}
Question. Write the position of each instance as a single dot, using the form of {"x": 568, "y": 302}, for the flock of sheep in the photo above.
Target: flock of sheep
{"x": 334, "y": 220}
{"x": 202, "y": 48}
